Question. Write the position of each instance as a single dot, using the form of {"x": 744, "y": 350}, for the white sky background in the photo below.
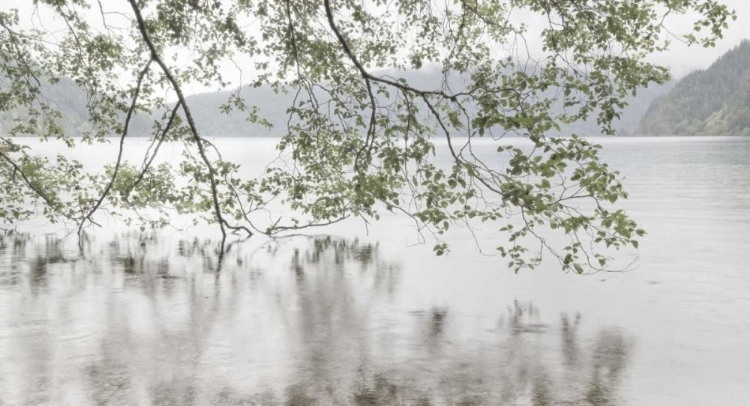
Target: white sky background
{"x": 680, "y": 58}
{"x": 683, "y": 59}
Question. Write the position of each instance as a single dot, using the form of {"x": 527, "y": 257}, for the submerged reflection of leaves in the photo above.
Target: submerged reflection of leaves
{"x": 301, "y": 321}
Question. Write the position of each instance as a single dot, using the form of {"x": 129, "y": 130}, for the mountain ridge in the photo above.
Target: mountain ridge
{"x": 272, "y": 106}
{"x": 712, "y": 101}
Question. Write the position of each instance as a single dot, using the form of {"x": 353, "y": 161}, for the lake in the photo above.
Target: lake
{"x": 363, "y": 315}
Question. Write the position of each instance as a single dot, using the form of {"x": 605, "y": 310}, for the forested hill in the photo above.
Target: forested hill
{"x": 71, "y": 101}
{"x": 630, "y": 117}
{"x": 715, "y": 101}
{"x": 206, "y": 109}
{"x": 272, "y": 106}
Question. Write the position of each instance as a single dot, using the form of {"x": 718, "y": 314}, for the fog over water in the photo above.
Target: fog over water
{"x": 362, "y": 316}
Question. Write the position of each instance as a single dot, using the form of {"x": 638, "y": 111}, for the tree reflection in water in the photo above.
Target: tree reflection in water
{"x": 145, "y": 319}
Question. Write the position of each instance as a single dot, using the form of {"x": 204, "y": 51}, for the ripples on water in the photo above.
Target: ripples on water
{"x": 301, "y": 321}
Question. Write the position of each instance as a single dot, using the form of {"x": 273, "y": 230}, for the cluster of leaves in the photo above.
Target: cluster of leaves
{"x": 358, "y": 141}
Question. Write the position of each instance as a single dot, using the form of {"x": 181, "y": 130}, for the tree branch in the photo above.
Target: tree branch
{"x": 188, "y": 115}
{"x": 116, "y": 170}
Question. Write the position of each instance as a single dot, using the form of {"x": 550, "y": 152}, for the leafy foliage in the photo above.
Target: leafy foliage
{"x": 357, "y": 141}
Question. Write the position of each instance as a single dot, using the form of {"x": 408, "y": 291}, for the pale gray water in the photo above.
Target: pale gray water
{"x": 352, "y": 318}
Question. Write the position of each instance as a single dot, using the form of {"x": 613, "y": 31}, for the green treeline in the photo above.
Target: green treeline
{"x": 715, "y": 101}
{"x": 273, "y": 106}
{"x": 70, "y": 100}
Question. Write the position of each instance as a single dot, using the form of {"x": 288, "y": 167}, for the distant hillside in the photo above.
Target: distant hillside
{"x": 715, "y": 101}
{"x": 65, "y": 94}
{"x": 630, "y": 117}
{"x": 272, "y": 106}
{"x": 71, "y": 100}
{"x": 206, "y": 109}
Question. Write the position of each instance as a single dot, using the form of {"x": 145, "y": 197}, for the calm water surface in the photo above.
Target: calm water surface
{"x": 364, "y": 317}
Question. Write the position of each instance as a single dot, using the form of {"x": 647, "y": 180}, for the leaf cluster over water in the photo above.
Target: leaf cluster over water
{"x": 358, "y": 141}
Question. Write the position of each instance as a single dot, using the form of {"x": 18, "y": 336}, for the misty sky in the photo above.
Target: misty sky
{"x": 683, "y": 59}
{"x": 680, "y": 58}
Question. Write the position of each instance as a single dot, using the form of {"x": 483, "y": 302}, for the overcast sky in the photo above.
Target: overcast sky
{"x": 683, "y": 60}
{"x": 679, "y": 58}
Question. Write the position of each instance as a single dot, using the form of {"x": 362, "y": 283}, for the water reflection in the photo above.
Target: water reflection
{"x": 147, "y": 319}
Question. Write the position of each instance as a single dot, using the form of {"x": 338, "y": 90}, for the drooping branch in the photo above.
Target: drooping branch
{"x": 116, "y": 169}
{"x": 188, "y": 115}
{"x": 159, "y": 140}
{"x": 368, "y": 77}
{"x": 370, "y": 139}
{"x": 335, "y": 56}
{"x": 28, "y": 181}
{"x": 506, "y": 186}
